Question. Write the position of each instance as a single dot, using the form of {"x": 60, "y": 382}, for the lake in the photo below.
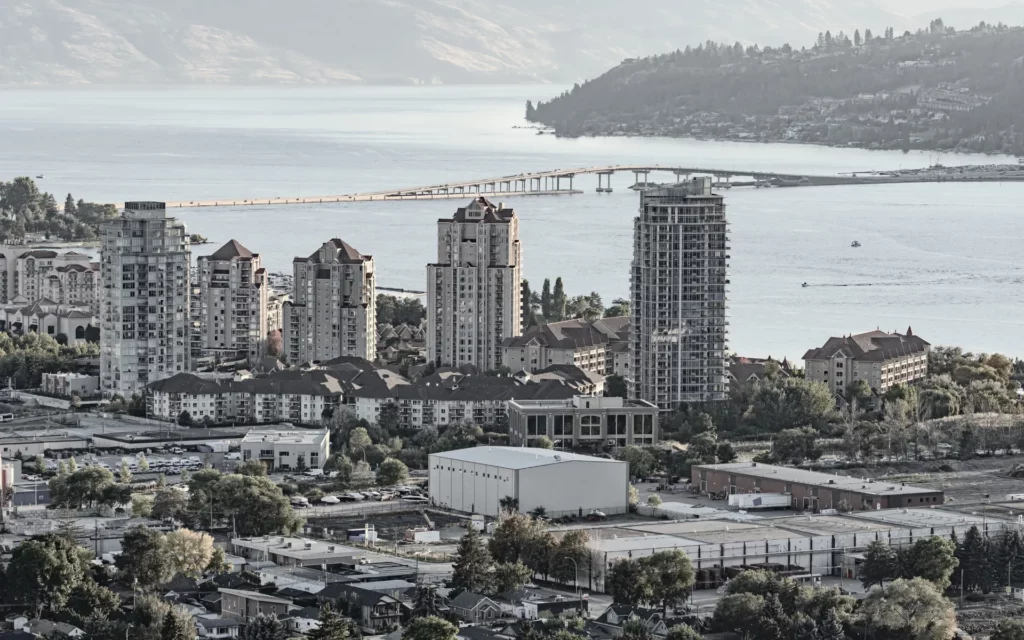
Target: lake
{"x": 943, "y": 258}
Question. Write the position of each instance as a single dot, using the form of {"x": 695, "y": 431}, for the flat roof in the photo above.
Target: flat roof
{"x": 816, "y": 478}
{"x": 286, "y": 436}
{"x": 827, "y": 525}
{"x": 174, "y": 436}
{"x": 39, "y": 439}
{"x": 317, "y": 548}
{"x": 693, "y": 527}
{"x": 732, "y": 534}
{"x": 518, "y": 457}
{"x": 925, "y": 517}
{"x": 572, "y": 404}
{"x": 634, "y": 543}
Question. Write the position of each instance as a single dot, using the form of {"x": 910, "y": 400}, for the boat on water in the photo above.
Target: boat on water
{"x": 854, "y": 244}
{"x": 805, "y": 285}
{"x": 39, "y": 177}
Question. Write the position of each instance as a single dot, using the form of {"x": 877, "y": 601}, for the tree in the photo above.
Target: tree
{"x": 263, "y": 627}
{"x": 143, "y": 462}
{"x": 683, "y": 632}
{"x": 185, "y": 419}
{"x": 773, "y": 624}
{"x": 169, "y": 504}
{"x": 142, "y": 506}
{"x": 513, "y": 537}
{"x": 125, "y": 472}
{"x": 392, "y": 472}
{"x": 558, "y": 301}
{"x": 726, "y": 453}
{"x": 636, "y": 629}
{"x": 389, "y": 419}
{"x": 471, "y": 570}
{"x": 191, "y": 552}
{"x": 671, "y": 576}
{"x": 704, "y": 447}
{"x": 831, "y": 627}
{"x": 332, "y": 626}
{"x": 628, "y": 582}
{"x": 973, "y": 557}
{"x": 913, "y": 609}
{"x": 790, "y": 402}
{"x": 793, "y": 446}
{"x": 40, "y": 462}
{"x": 856, "y": 38}
{"x": 544, "y": 442}
{"x": 738, "y": 612}
{"x": 430, "y": 628}
{"x": 641, "y": 461}
{"x": 427, "y": 602}
{"x": 510, "y": 576}
{"x": 879, "y": 565}
{"x": 932, "y": 559}
{"x": 253, "y": 468}
{"x": 72, "y": 465}
{"x": 1008, "y": 629}
{"x": 44, "y": 570}
{"x": 615, "y": 387}
{"x": 359, "y": 439}
{"x": 509, "y": 503}
{"x": 144, "y": 559}
{"x": 654, "y": 500}
{"x": 572, "y": 552}
{"x": 90, "y": 599}
{"x": 178, "y": 625}
{"x": 300, "y": 463}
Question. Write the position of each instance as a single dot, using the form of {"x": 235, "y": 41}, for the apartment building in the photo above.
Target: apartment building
{"x": 230, "y": 305}
{"x": 583, "y": 420}
{"x": 588, "y": 345}
{"x": 678, "y": 301}
{"x": 283, "y": 450}
{"x": 474, "y": 289}
{"x": 46, "y": 317}
{"x": 70, "y": 278}
{"x": 882, "y": 359}
{"x": 71, "y": 384}
{"x": 144, "y": 302}
{"x": 333, "y": 310}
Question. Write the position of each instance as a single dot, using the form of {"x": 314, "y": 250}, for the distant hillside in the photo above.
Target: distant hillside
{"x": 936, "y": 89}
{"x": 381, "y": 41}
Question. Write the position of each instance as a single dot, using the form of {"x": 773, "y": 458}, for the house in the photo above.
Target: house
{"x": 473, "y": 607}
{"x": 48, "y": 628}
{"x": 212, "y": 625}
{"x": 749, "y": 370}
{"x": 304, "y": 620}
{"x": 544, "y": 608}
{"x": 617, "y": 615}
{"x": 248, "y": 604}
{"x": 373, "y": 611}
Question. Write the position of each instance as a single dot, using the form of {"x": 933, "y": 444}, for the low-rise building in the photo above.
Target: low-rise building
{"x": 39, "y": 445}
{"x": 71, "y": 384}
{"x": 881, "y": 359}
{"x": 584, "y": 420}
{"x": 749, "y": 370}
{"x": 373, "y": 611}
{"x": 475, "y": 608}
{"x": 295, "y": 552}
{"x": 477, "y": 480}
{"x": 245, "y": 605}
{"x": 283, "y": 450}
{"x": 47, "y": 317}
{"x": 811, "y": 490}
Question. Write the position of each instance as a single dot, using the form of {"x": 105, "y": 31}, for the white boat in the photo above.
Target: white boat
{"x": 330, "y": 500}
{"x": 855, "y": 244}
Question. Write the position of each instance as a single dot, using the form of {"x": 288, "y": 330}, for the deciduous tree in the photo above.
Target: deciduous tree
{"x": 430, "y": 628}
{"x": 912, "y": 609}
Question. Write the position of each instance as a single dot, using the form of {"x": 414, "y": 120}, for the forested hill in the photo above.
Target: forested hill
{"x": 936, "y": 89}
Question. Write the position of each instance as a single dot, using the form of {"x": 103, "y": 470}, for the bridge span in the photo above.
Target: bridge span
{"x": 561, "y": 182}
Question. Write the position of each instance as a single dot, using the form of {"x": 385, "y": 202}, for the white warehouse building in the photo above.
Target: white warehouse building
{"x": 475, "y": 481}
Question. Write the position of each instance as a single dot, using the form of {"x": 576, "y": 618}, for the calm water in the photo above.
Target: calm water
{"x": 943, "y": 258}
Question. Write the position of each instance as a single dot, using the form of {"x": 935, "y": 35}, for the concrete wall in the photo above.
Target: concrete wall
{"x": 469, "y": 487}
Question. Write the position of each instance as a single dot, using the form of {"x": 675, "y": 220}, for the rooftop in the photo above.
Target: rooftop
{"x": 924, "y": 517}
{"x": 597, "y": 402}
{"x": 815, "y": 478}
{"x": 519, "y": 457}
{"x": 641, "y": 542}
{"x": 233, "y": 249}
{"x": 286, "y": 436}
{"x": 874, "y": 346}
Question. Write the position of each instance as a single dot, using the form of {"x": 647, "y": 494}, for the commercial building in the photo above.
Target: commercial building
{"x": 296, "y": 552}
{"x": 144, "y": 310}
{"x": 231, "y": 306}
{"x": 333, "y": 311}
{"x": 47, "y": 317}
{"x": 583, "y": 421}
{"x": 678, "y": 301}
{"x": 474, "y": 289}
{"x": 30, "y": 446}
{"x": 70, "y": 278}
{"x": 881, "y": 359}
{"x": 570, "y": 342}
{"x": 811, "y": 490}
{"x": 71, "y": 384}
{"x": 476, "y": 480}
{"x": 283, "y": 450}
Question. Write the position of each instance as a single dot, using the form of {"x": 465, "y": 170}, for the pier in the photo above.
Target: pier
{"x": 563, "y": 182}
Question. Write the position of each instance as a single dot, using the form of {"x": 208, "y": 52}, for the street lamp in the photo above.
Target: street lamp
{"x": 576, "y": 585}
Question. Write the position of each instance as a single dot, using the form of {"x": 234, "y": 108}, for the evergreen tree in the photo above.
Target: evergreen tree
{"x": 427, "y": 602}
{"x": 545, "y": 299}
{"x": 867, "y": 36}
{"x": 177, "y": 625}
{"x": 332, "y": 626}
{"x": 69, "y": 206}
{"x": 472, "y": 569}
{"x": 831, "y": 628}
{"x": 558, "y": 301}
{"x": 430, "y": 628}
{"x": 774, "y": 625}
{"x": 973, "y": 555}
{"x": 879, "y": 565}
{"x": 856, "y": 38}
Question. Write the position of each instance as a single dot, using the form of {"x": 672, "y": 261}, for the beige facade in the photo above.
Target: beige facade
{"x": 881, "y": 359}
{"x": 144, "y": 311}
{"x": 678, "y": 306}
{"x": 474, "y": 297}
{"x": 333, "y": 310}
{"x": 46, "y": 317}
{"x": 583, "y": 421}
{"x": 587, "y": 345}
{"x": 231, "y": 304}
{"x": 65, "y": 278}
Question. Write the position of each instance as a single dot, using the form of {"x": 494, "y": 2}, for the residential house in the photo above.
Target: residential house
{"x": 249, "y": 604}
{"x": 50, "y": 629}
{"x": 475, "y": 608}
{"x": 749, "y": 370}
{"x": 212, "y": 625}
{"x": 373, "y": 611}
{"x": 304, "y": 620}
{"x": 617, "y": 615}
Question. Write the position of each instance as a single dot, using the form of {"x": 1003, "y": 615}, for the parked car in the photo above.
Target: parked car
{"x": 330, "y": 500}
{"x": 411, "y": 498}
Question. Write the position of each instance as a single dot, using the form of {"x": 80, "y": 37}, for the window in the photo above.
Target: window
{"x": 285, "y": 454}
{"x": 563, "y": 425}
{"x": 590, "y": 425}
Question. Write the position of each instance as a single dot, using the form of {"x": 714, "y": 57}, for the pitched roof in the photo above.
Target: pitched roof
{"x": 337, "y": 250}
{"x": 567, "y": 334}
{"x": 39, "y": 253}
{"x": 481, "y": 210}
{"x": 469, "y": 600}
{"x": 233, "y": 249}
{"x": 873, "y": 346}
